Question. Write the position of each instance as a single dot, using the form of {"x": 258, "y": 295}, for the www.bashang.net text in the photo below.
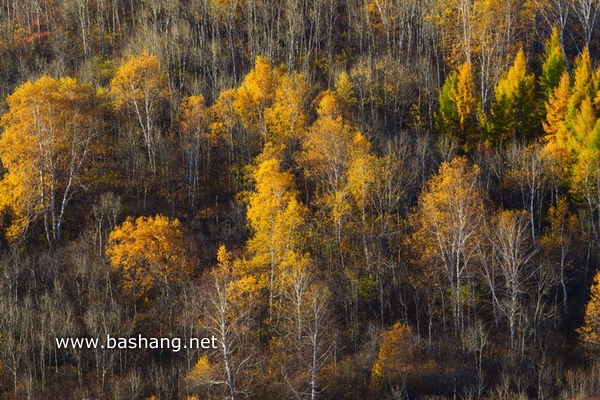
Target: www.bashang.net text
{"x": 137, "y": 343}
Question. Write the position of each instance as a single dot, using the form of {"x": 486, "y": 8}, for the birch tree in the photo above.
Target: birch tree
{"x": 51, "y": 130}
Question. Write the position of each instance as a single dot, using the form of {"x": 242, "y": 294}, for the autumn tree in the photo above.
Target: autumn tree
{"x": 346, "y": 93}
{"x": 375, "y": 188}
{"x": 582, "y": 138}
{"x": 149, "y": 252}
{"x": 483, "y": 33}
{"x": 447, "y": 228}
{"x": 554, "y": 64}
{"x": 556, "y": 13}
{"x": 513, "y": 113}
{"x": 255, "y": 95}
{"x": 585, "y": 129}
{"x": 395, "y": 358}
{"x": 240, "y": 146}
{"x": 276, "y": 219}
{"x": 583, "y": 86}
{"x": 139, "y": 89}
{"x": 557, "y": 133}
{"x": 226, "y": 312}
{"x": 325, "y": 158}
{"x": 459, "y": 107}
{"x": 269, "y": 106}
{"x": 361, "y": 181}
{"x": 51, "y": 131}
{"x": 287, "y": 118}
{"x": 582, "y": 112}
{"x": 588, "y": 332}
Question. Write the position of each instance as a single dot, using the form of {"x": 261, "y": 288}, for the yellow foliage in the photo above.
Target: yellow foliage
{"x": 224, "y": 257}
{"x": 203, "y": 372}
{"x": 149, "y": 251}
{"x": 255, "y": 95}
{"x": 234, "y": 290}
{"x": 586, "y": 176}
{"x": 269, "y": 104}
{"x": 509, "y": 84}
{"x": 138, "y": 89}
{"x": 286, "y": 119}
{"x": 193, "y": 113}
{"x": 451, "y": 203}
{"x": 361, "y": 171}
{"x": 138, "y": 81}
{"x": 194, "y": 119}
{"x": 512, "y": 113}
{"x": 555, "y": 126}
{"x": 447, "y": 223}
{"x": 296, "y": 267}
{"x": 50, "y": 130}
{"x": 584, "y": 125}
{"x": 326, "y": 150}
{"x": 274, "y": 214}
{"x": 223, "y": 10}
{"x": 329, "y": 105}
{"x": 272, "y": 192}
{"x": 395, "y": 353}
{"x": 345, "y": 89}
{"x": 589, "y": 332}
{"x": 277, "y": 220}
{"x": 223, "y": 116}
{"x": 223, "y": 107}
{"x": 582, "y": 79}
{"x": 466, "y": 102}
{"x": 563, "y": 227}
{"x": 244, "y": 289}
{"x": 459, "y": 108}
{"x": 195, "y": 122}
{"x": 477, "y": 29}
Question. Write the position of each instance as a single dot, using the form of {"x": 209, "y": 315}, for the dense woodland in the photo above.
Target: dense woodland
{"x": 386, "y": 199}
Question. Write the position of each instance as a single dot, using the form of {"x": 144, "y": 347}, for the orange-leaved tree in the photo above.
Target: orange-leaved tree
{"x": 255, "y": 95}
{"x": 325, "y": 156}
{"x": 138, "y": 89}
{"x": 448, "y": 226}
{"x": 50, "y": 130}
{"x": 457, "y": 116}
{"x": 150, "y": 253}
{"x": 589, "y": 332}
{"x": 276, "y": 218}
{"x": 395, "y": 357}
{"x": 557, "y": 134}
{"x": 287, "y": 118}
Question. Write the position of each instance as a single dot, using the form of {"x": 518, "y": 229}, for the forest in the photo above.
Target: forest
{"x": 354, "y": 199}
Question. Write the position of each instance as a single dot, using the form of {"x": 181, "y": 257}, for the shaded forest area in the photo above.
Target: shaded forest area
{"x": 390, "y": 199}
